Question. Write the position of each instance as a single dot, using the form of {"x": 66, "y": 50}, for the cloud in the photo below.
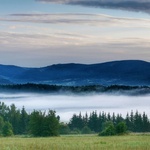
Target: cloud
{"x": 65, "y": 30}
{"x": 62, "y": 38}
{"x": 99, "y": 20}
{"x": 13, "y": 39}
{"x": 130, "y": 5}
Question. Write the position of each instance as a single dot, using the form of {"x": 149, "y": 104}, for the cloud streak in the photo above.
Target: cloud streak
{"x": 130, "y": 5}
{"x": 12, "y": 39}
{"x": 78, "y": 19}
{"x": 72, "y": 37}
{"x": 103, "y": 31}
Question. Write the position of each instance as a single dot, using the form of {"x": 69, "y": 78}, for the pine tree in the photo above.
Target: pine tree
{"x": 100, "y": 122}
{"x": 14, "y": 118}
{"x": 108, "y": 117}
{"x": 4, "y": 111}
{"x": 131, "y": 128}
{"x": 137, "y": 122}
{"x": 119, "y": 118}
{"x": 146, "y": 123}
{"x": 113, "y": 118}
{"x": 85, "y": 119}
{"x": 50, "y": 124}
{"x": 93, "y": 122}
{"x": 44, "y": 125}
{"x": 76, "y": 122}
{"x": 127, "y": 120}
{"x": 36, "y": 123}
{"x": 24, "y": 120}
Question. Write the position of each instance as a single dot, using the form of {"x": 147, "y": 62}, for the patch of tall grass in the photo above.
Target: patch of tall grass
{"x": 90, "y": 142}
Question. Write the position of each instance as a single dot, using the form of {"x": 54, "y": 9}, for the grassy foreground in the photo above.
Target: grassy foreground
{"x": 90, "y": 142}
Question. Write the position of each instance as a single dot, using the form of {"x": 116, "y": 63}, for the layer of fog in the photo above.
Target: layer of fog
{"x": 66, "y": 106}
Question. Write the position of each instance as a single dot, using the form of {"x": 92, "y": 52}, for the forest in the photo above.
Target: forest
{"x": 88, "y": 89}
{"x": 46, "y": 123}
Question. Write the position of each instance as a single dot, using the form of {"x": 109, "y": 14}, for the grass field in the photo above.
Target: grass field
{"x": 90, "y": 142}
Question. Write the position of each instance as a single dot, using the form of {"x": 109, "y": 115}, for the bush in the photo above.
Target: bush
{"x": 108, "y": 131}
{"x": 1, "y": 124}
{"x": 7, "y": 129}
{"x": 64, "y": 129}
{"x": 121, "y": 128}
{"x": 86, "y": 130}
{"x": 75, "y": 131}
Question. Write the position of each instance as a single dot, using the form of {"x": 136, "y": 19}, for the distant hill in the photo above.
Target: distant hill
{"x": 4, "y": 81}
{"x": 127, "y": 72}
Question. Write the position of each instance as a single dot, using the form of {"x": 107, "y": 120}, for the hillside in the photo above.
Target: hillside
{"x": 128, "y": 72}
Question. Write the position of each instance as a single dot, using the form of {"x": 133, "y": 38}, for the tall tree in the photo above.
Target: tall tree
{"x": 14, "y": 118}
{"x": 50, "y": 124}
{"x": 131, "y": 128}
{"x": 4, "y": 111}
{"x": 146, "y": 123}
{"x": 93, "y": 122}
{"x": 44, "y": 125}
{"x": 137, "y": 122}
{"x": 24, "y": 120}
{"x": 36, "y": 123}
{"x": 76, "y": 122}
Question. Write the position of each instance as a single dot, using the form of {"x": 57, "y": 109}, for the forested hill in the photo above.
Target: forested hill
{"x": 128, "y": 72}
{"x": 91, "y": 89}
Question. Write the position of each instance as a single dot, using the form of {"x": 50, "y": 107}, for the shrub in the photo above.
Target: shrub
{"x": 7, "y": 129}
{"x": 75, "y": 131}
{"x": 109, "y": 129}
{"x": 64, "y": 129}
{"x": 86, "y": 130}
{"x": 121, "y": 128}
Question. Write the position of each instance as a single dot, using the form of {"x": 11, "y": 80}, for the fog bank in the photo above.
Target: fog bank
{"x": 66, "y": 106}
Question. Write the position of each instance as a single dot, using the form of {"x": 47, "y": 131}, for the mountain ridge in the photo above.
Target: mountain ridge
{"x": 124, "y": 72}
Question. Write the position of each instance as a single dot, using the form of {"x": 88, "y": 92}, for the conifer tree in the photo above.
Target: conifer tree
{"x": 36, "y": 123}
{"x": 24, "y": 120}
{"x": 131, "y": 128}
{"x": 146, "y": 123}
{"x": 137, "y": 122}
{"x": 14, "y": 118}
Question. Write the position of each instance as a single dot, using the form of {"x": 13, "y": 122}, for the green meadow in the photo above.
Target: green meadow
{"x": 77, "y": 142}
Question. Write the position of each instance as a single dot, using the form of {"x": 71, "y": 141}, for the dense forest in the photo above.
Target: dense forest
{"x": 37, "y": 123}
{"x": 45, "y": 88}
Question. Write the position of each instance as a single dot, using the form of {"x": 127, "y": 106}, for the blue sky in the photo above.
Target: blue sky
{"x": 45, "y": 32}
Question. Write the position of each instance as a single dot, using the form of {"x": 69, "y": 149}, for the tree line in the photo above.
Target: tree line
{"x": 46, "y": 123}
{"x": 96, "y": 122}
{"x": 45, "y": 88}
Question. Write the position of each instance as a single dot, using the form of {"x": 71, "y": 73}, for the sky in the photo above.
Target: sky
{"x": 37, "y": 33}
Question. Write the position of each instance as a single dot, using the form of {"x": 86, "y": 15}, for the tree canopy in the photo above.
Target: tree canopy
{"x": 42, "y": 124}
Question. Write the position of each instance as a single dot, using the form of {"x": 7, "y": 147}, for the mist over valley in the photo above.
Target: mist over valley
{"x": 118, "y": 86}
{"x": 67, "y": 105}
